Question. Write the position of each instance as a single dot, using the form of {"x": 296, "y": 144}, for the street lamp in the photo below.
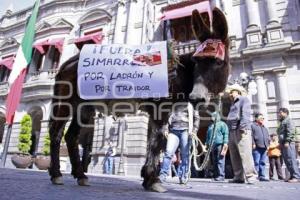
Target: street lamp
{"x": 122, "y": 129}
{"x": 252, "y": 87}
{"x": 247, "y": 82}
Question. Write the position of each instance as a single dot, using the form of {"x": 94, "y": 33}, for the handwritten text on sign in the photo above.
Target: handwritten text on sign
{"x": 120, "y": 71}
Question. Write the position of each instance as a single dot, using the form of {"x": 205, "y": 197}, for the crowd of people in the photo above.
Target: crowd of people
{"x": 249, "y": 142}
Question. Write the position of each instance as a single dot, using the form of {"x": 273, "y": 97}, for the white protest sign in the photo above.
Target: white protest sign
{"x": 119, "y": 71}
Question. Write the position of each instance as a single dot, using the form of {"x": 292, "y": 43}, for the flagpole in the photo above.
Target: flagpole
{"x": 17, "y": 75}
{"x": 6, "y": 144}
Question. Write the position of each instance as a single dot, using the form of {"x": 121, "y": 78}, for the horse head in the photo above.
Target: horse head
{"x": 211, "y": 58}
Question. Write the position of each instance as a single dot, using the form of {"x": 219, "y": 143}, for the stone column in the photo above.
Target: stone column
{"x": 272, "y": 11}
{"x": 253, "y": 31}
{"x": 274, "y": 29}
{"x": 228, "y": 11}
{"x": 253, "y": 13}
{"x": 120, "y": 26}
{"x": 283, "y": 89}
{"x": 261, "y": 95}
{"x": 131, "y": 37}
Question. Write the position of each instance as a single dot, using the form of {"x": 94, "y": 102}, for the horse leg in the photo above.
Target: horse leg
{"x": 86, "y": 157}
{"x": 56, "y": 133}
{"x": 86, "y": 135}
{"x": 86, "y": 142}
{"x": 60, "y": 113}
{"x": 71, "y": 138}
{"x": 150, "y": 170}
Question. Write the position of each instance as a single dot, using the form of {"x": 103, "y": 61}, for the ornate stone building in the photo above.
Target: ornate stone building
{"x": 265, "y": 43}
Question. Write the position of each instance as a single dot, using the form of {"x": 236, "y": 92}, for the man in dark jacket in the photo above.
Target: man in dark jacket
{"x": 260, "y": 142}
{"x": 286, "y": 133}
{"x": 240, "y": 141}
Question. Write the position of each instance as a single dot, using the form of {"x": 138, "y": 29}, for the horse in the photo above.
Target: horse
{"x": 198, "y": 74}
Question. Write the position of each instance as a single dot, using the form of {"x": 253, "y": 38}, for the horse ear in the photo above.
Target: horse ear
{"x": 219, "y": 24}
{"x": 200, "y": 25}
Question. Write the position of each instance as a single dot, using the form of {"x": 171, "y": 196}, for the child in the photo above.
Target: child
{"x": 220, "y": 146}
{"x": 274, "y": 157}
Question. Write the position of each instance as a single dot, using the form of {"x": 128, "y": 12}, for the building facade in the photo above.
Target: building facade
{"x": 265, "y": 44}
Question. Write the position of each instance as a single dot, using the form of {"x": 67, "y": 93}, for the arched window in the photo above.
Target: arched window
{"x": 92, "y": 37}
{"x": 6, "y": 64}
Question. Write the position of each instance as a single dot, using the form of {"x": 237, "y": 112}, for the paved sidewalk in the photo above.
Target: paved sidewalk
{"x": 26, "y": 184}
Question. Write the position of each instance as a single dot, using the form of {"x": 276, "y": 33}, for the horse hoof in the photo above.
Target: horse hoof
{"x": 57, "y": 180}
{"x": 157, "y": 187}
{"x": 83, "y": 182}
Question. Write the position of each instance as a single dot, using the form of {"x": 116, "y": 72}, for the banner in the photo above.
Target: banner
{"x": 120, "y": 71}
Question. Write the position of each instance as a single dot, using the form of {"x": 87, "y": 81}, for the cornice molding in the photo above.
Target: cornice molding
{"x": 95, "y": 14}
{"x": 268, "y": 49}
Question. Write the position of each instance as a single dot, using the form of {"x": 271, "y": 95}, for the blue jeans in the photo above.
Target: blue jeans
{"x": 108, "y": 165}
{"x": 260, "y": 158}
{"x": 175, "y": 138}
{"x": 290, "y": 160}
{"x": 218, "y": 161}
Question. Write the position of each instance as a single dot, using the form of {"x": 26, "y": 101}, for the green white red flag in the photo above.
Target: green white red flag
{"x": 19, "y": 69}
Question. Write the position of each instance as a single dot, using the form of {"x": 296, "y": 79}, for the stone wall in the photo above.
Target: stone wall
{"x": 135, "y": 143}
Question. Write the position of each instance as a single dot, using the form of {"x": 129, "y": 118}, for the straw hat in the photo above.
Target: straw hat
{"x": 236, "y": 87}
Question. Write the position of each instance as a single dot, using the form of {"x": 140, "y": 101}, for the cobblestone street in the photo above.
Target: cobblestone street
{"x": 25, "y": 184}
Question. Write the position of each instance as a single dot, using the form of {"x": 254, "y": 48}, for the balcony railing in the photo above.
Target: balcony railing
{"x": 35, "y": 75}
{"x": 52, "y": 73}
{"x": 42, "y": 75}
{"x": 186, "y": 48}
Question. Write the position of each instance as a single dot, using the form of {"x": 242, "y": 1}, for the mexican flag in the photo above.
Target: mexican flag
{"x": 19, "y": 68}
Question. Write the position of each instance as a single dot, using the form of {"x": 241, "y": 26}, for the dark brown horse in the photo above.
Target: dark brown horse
{"x": 196, "y": 77}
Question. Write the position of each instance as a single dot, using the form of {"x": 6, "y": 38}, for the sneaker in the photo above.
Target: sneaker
{"x": 183, "y": 181}
{"x": 219, "y": 179}
{"x": 293, "y": 180}
{"x": 263, "y": 179}
{"x": 251, "y": 179}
